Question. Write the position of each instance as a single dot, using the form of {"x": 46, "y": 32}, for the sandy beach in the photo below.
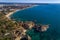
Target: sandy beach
{"x": 10, "y": 13}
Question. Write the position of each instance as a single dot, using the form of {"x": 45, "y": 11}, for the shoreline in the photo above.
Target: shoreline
{"x": 10, "y": 13}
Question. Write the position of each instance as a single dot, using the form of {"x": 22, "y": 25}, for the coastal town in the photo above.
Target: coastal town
{"x": 13, "y": 30}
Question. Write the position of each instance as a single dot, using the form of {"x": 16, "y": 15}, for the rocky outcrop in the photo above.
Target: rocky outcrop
{"x": 44, "y": 28}
{"x": 41, "y": 28}
{"x": 28, "y": 25}
{"x": 20, "y": 33}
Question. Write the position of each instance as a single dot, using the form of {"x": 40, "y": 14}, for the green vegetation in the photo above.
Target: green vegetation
{"x": 6, "y": 26}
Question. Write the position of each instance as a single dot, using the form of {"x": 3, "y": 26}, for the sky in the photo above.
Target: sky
{"x": 31, "y": 1}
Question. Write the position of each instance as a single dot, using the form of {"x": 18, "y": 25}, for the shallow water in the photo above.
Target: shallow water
{"x": 43, "y": 14}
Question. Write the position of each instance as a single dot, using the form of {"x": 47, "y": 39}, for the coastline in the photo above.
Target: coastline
{"x": 10, "y": 13}
{"x": 43, "y": 27}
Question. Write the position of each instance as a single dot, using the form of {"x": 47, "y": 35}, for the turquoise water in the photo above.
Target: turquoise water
{"x": 43, "y": 14}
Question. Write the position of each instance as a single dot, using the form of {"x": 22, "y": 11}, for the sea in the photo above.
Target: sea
{"x": 41, "y": 14}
